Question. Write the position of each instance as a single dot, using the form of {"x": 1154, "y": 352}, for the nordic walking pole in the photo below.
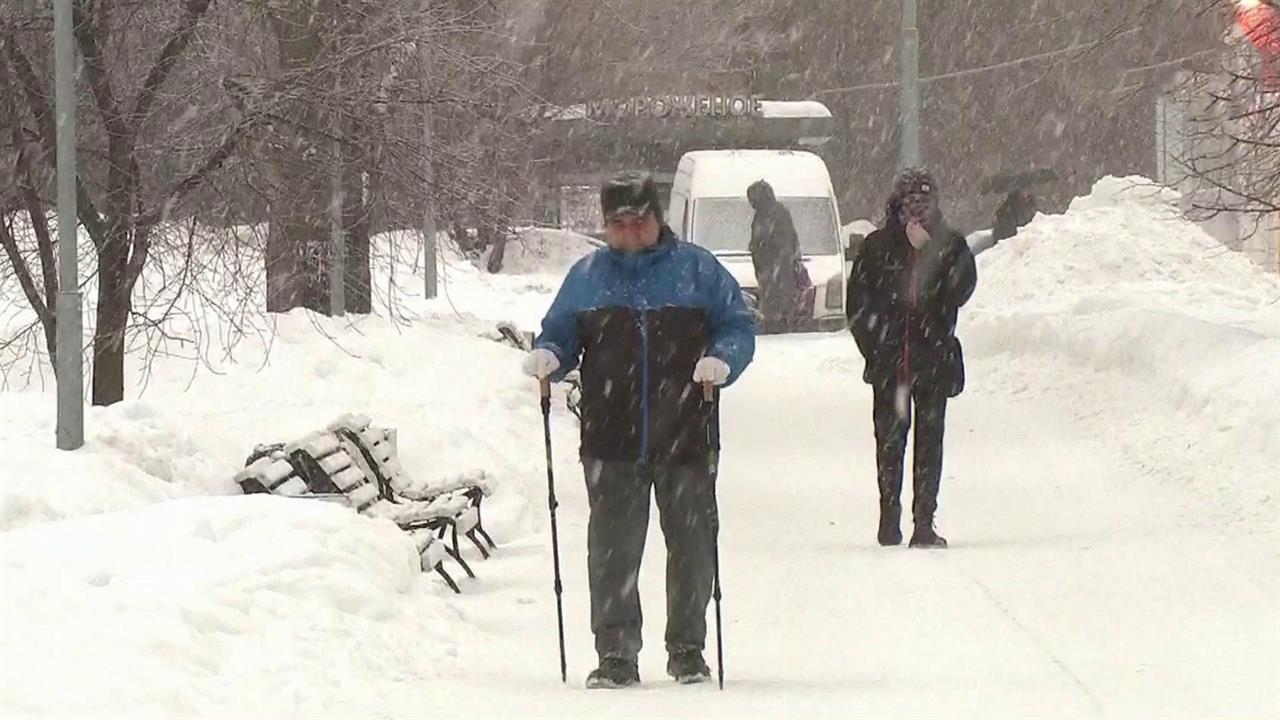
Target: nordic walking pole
{"x": 709, "y": 396}
{"x": 545, "y": 387}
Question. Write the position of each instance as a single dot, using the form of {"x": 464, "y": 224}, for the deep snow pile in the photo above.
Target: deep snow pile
{"x": 218, "y": 607}
{"x": 136, "y": 571}
{"x": 455, "y": 396}
{"x": 545, "y": 251}
{"x": 193, "y": 412}
{"x": 1181, "y": 336}
{"x": 455, "y": 393}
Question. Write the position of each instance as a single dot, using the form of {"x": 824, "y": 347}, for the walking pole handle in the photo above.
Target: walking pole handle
{"x": 544, "y": 391}
{"x": 708, "y": 391}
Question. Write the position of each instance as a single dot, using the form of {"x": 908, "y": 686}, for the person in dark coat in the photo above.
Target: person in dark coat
{"x": 775, "y": 253}
{"x": 907, "y": 285}
{"x": 653, "y": 321}
{"x": 1017, "y": 210}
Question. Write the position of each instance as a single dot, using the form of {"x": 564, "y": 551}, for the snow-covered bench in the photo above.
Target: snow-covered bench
{"x": 337, "y": 464}
{"x": 378, "y": 454}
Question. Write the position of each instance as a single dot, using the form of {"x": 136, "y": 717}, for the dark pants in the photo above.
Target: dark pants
{"x": 619, "y": 497}
{"x": 781, "y": 308}
{"x": 892, "y": 416}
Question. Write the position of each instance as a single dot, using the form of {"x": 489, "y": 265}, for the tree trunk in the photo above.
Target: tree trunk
{"x": 357, "y": 218}
{"x": 498, "y": 250}
{"x": 112, "y": 319}
{"x": 298, "y": 246}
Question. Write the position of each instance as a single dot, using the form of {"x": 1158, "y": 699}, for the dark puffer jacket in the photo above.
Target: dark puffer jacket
{"x": 902, "y": 305}
{"x": 775, "y": 255}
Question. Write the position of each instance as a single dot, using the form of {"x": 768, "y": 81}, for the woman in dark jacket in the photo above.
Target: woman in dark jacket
{"x": 908, "y": 283}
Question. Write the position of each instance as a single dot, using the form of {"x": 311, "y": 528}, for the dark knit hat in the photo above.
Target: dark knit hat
{"x": 630, "y": 193}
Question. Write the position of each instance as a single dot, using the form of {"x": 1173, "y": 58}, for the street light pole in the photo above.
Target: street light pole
{"x": 429, "y": 250}
{"x": 909, "y": 90}
{"x": 69, "y": 370}
{"x": 337, "y": 238}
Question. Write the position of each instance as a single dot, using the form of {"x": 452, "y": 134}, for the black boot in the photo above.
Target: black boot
{"x": 687, "y": 667}
{"x": 930, "y": 411}
{"x": 890, "y": 523}
{"x": 926, "y": 537}
{"x": 614, "y": 673}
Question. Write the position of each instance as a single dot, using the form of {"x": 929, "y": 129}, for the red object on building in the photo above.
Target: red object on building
{"x": 1259, "y": 20}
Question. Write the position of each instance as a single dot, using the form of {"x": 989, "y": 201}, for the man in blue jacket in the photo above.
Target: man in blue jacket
{"x": 652, "y": 320}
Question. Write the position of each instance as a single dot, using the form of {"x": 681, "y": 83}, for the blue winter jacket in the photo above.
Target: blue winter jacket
{"x": 639, "y": 323}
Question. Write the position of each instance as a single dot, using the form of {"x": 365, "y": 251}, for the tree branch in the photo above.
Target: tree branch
{"x": 165, "y": 62}
{"x": 39, "y": 105}
{"x": 96, "y": 73}
{"x": 23, "y": 273}
{"x": 25, "y": 180}
{"x": 167, "y": 59}
{"x": 179, "y": 190}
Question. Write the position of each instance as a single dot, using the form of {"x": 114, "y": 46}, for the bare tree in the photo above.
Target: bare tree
{"x": 1226, "y": 142}
{"x": 20, "y": 184}
{"x": 137, "y": 115}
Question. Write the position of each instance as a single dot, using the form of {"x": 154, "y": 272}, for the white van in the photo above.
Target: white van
{"x": 709, "y": 207}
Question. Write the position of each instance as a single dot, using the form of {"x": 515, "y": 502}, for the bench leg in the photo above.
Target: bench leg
{"x": 485, "y": 535}
{"x": 480, "y": 528}
{"x": 471, "y": 535}
{"x": 448, "y": 580}
{"x": 458, "y": 559}
{"x": 454, "y": 531}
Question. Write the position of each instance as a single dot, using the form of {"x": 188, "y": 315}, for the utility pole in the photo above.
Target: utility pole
{"x": 337, "y": 239}
{"x": 429, "y": 250}
{"x": 909, "y": 90}
{"x": 69, "y": 368}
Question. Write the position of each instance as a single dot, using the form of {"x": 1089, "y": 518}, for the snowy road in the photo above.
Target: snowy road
{"x": 1072, "y": 588}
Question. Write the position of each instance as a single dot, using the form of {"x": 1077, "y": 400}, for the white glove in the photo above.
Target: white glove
{"x": 711, "y": 370}
{"x": 540, "y": 363}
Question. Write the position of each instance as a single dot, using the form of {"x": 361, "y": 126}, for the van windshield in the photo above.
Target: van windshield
{"x": 723, "y": 224}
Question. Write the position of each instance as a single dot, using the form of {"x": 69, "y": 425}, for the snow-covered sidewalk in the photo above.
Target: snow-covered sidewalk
{"x": 1074, "y": 587}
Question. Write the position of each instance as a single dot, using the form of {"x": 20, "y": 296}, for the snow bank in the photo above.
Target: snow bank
{"x": 248, "y": 606}
{"x": 194, "y": 411}
{"x": 1127, "y": 232}
{"x": 542, "y": 251}
{"x": 860, "y": 226}
{"x": 457, "y": 398}
{"x": 226, "y": 376}
{"x": 1181, "y": 336}
{"x": 139, "y": 582}
{"x": 134, "y": 457}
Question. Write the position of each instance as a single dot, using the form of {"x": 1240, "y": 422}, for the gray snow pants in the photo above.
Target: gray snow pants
{"x": 618, "y": 493}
